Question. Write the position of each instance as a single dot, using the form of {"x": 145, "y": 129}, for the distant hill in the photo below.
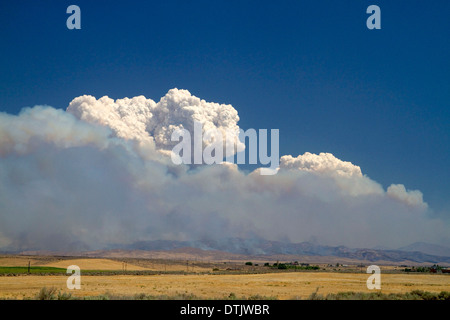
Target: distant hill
{"x": 259, "y": 247}
{"x": 427, "y": 248}
{"x": 240, "y": 249}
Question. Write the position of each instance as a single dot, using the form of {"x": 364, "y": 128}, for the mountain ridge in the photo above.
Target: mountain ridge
{"x": 427, "y": 248}
{"x": 239, "y": 249}
{"x": 260, "y": 247}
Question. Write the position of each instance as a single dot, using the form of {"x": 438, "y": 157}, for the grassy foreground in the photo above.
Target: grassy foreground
{"x": 283, "y": 286}
{"x": 54, "y": 294}
{"x": 164, "y": 279}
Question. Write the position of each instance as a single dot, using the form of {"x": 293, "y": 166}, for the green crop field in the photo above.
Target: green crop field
{"x": 33, "y": 270}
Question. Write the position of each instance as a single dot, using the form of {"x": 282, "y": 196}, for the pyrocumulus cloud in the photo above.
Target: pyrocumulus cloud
{"x": 100, "y": 174}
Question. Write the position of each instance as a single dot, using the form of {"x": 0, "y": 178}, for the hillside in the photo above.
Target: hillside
{"x": 261, "y": 250}
{"x": 427, "y": 248}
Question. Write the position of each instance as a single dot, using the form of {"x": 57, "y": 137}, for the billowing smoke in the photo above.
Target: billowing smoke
{"x": 25, "y": 133}
{"x": 413, "y": 198}
{"x": 100, "y": 174}
{"x": 324, "y": 162}
{"x": 146, "y": 121}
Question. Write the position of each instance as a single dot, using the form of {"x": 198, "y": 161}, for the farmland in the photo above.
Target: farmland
{"x": 203, "y": 280}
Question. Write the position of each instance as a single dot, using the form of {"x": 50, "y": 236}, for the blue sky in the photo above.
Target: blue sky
{"x": 377, "y": 98}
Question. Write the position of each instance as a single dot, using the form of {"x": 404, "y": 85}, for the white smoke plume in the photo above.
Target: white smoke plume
{"x": 145, "y": 120}
{"x": 94, "y": 176}
{"x": 412, "y": 198}
{"x": 21, "y": 134}
{"x": 323, "y": 163}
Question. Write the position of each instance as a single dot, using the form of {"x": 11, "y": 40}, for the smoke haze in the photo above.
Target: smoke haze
{"x": 100, "y": 174}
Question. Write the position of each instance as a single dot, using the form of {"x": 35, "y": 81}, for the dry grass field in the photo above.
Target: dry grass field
{"x": 285, "y": 285}
{"x": 279, "y": 285}
{"x": 94, "y": 264}
{"x": 104, "y": 264}
{"x": 107, "y": 264}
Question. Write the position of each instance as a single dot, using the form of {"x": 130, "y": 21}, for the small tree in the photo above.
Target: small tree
{"x": 249, "y": 263}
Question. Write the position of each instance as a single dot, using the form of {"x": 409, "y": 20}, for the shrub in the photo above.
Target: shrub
{"x": 64, "y": 296}
{"x": 315, "y": 296}
{"x": 232, "y": 296}
{"x": 46, "y": 294}
{"x": 413, "y": 295}
{"x": 140, "y": 296}
{"x": 444, "y": 295}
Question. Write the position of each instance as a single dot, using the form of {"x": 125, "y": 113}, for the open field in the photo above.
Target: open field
{"x": 176, "y": 264}
{"x": 95, "y": 264}
{"x": 102, "y": 264}
{"x": 203, "y": 279}
{"x": 286, "y": 285}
